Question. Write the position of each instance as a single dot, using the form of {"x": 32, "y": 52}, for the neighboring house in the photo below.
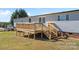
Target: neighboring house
{"x": 53, "y": 17}
{"x": 10, "y": 27}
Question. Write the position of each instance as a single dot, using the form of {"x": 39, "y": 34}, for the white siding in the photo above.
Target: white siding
{"x": 68, "y": 26}
{"x": 74, "y": 17}
{"x": 35, "y": 19}
{"x": 51, "y": 18}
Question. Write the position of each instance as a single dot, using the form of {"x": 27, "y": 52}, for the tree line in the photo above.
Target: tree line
{"x": 18, "y": 13}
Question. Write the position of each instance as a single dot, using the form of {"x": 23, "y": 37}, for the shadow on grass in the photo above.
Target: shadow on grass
{"x": 37, "y": 37}
{"x": 44, "y": 38}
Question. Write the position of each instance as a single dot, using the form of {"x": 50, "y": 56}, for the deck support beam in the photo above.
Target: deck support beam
{"x": 34, "y": 35}
{"x": 28, "y": 35}
{"x": 41, "y": 35}
{"x": 41, "y": 31}
{"x": 23, "y": 33}
{"x": 34, "y": 31}
{"x": 49, "y": 31}
{"x": 50, "y": 36}
{"x": 16, "y": 32}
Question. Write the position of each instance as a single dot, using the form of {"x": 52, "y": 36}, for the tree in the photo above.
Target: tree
{"x": 19, "y": 13}
{"x": 22, "y": 13}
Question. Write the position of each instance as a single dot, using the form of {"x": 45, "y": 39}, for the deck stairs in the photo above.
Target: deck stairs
{"x": 51, "y": 31}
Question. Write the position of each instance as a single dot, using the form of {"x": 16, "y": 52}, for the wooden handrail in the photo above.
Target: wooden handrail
{"x": 53, "y": 29}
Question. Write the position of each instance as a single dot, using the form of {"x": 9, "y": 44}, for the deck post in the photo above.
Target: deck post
{"x": 41, "y": 30}
{"x": 34, "y": 30}
{"x": 23, "y": 33}
{"x": 20, "y": 33}
{"x": 28, "y": 35}
{"x": 41, "y": 35}
{"x": 49, "y": 32}
{"x": 50, "y": 36}
{"x": 34, "y": 35}
{"x": 16, "y": 32}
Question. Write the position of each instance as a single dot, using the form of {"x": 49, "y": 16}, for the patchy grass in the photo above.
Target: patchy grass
{"x": 9, "y": 41}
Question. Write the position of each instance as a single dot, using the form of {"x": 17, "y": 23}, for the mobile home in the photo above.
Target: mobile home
{"x": 60, "y": 16}
{"x": 67, "y": 22}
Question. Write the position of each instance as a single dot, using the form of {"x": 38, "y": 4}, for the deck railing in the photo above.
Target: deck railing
{"x": 30, "y": 26}
{"x": 53, "y": 28}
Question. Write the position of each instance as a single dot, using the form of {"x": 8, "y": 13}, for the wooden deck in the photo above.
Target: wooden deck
{"x": 50, "y": 30}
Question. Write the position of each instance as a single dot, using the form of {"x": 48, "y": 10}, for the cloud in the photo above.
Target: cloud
{"x": 5, "y": 12}
{"x": 5, "y": 15}
{"x": 29, "y": 14}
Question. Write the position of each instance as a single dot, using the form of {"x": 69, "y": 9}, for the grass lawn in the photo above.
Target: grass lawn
{"x": 9, "y": 41}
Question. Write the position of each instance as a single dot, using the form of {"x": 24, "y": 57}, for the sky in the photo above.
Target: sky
{"x": 5, "y": 13}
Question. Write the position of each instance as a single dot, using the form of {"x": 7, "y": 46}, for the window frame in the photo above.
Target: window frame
{"x": 43, "y": 19}
{"x": 58, "y": 18}
{"x": 67, "y": 17}
{"x": 40, "y": 20}
{"x": 29, "y": 20}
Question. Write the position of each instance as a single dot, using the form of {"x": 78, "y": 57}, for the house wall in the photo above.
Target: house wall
{"x": 50, "y": 17}
{"x": 73, "y": 16}
{"x": 34, "y": 19}
{"x": 67, "y": 26}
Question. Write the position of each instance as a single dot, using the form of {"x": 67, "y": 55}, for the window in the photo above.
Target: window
{"x": 63, "y": 17}
{"x": 67, "y": 17}
{"x": 58, "y": 18}
{"x": 43, "y": 19}
{"x": 39, "y": 20}
{"x": 29, "y": 20}
{"x": 21, "y": 20}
